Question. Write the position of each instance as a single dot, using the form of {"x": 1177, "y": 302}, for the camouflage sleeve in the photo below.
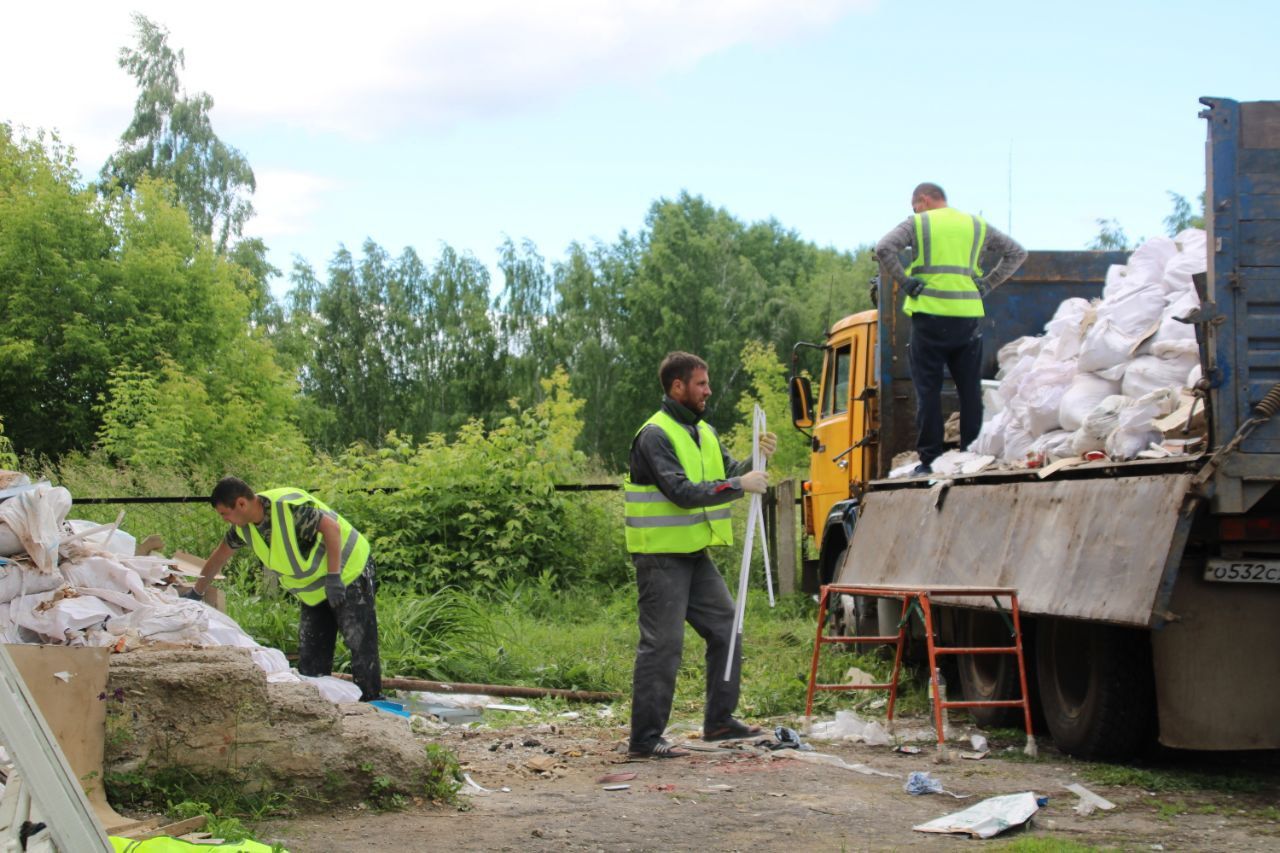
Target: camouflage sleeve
{"x": 233, "y": 539}
{"x": 306, "y": 526}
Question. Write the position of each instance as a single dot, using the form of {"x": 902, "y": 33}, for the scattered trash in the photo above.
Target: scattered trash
{"x": 974, "y": 756}
{"x": 834, "y": 761}
{"x": 988, "y": 818}
{"x": 541, "y": 763}
{"x": 499, "y": 706}
{"x": 63, "y": 676}
{"x": 473, "y": 786}
{"x": 849, "y": 726}
{"x": 617, "y": 787}
{"x": 922, "y": 783}
{"x": 907, "y": 750}
{"x": 569, "y": 715}
{"x": 715, "y": 789}
{"x": 389, "y": 707}
{"x": 1089, "y": 801}
{"x": 853, "y": 675}
{"x": 1042, "y": 801}
{"x": 979, "y": 744}
{"x": 785, "y": 738}
{"x": 615, "y": 777}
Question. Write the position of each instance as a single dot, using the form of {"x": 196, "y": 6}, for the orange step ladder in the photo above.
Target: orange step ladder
{"x": 920, "y": 598}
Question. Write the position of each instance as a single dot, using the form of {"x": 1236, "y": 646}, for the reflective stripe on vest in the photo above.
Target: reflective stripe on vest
{"x": 655, "y": 525}
{"x": 948, "y": 246}
{"x": 304, "y": 574}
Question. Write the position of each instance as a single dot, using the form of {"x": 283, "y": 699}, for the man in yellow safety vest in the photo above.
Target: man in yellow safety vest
{"x": 678, "y": 491}
{"x": 945, "y": 286}
{"x": 320, "y": 558}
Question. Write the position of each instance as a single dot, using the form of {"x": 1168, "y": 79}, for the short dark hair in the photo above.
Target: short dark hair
{"x": 228, "y": 490}
{"x": 678, "y": 365}
{"x": 929, "y": 190}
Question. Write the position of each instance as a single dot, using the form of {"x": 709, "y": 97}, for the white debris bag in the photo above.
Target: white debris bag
{"x": 1146, "y": 265}
{"x": 1099, "y": 424}
{"x": 988, "y": 818}
{"x": 1148, "y": 373}
{"x": 1087, "y": 390}
{"x": 35, "y": 517}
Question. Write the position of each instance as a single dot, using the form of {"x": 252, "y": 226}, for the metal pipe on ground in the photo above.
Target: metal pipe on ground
{"x": 493, "y": 689}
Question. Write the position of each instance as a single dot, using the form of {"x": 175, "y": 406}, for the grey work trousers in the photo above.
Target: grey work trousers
{"x": 673, "y": 589}
{"x": 357, "y": 619}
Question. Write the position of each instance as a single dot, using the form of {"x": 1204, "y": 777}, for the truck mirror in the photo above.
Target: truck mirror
{"x": 801, "y": 402}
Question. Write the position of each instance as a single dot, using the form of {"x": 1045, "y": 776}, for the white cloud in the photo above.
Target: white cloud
{"x": 368, "y": 68}
{"x": 285, "y": 202}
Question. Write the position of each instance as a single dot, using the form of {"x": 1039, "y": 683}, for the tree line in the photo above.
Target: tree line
{"x": 138, "y": 325}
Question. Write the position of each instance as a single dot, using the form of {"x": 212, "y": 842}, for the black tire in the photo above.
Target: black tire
{"x": 987, "y": 678}
{"x": 1097, "y": 687}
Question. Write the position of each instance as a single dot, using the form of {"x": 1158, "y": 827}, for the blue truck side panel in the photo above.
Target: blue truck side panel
{"x": 1243, "y": 165}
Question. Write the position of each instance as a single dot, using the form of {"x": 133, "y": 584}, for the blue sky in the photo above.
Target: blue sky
{"x": 563, "y": 120}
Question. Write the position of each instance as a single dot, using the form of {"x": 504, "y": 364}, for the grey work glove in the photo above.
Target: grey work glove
{"x": 914, "y": 286}
{"x": 768, "y": 443}
{"x": 755, "y": 482}
{"x": 335, "y": 592}
{"x": 192, "y": 595}
{"x": 983, "y": 287}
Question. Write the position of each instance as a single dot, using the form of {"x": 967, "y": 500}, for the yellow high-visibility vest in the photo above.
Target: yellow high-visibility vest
{"x": 657, "y": 526}
{"x": 303, "y": 574}
{"x": 948, "y": 245}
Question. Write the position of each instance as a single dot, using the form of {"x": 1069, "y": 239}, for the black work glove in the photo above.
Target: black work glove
{"x": 334, "y": 591}
{"x": 914, "y": 286}
{"x": 192, "y": 595}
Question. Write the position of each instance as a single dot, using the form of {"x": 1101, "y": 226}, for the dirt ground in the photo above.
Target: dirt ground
{"x": 748, "y": 798}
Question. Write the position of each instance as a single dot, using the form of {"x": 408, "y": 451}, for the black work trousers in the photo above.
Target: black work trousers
{"x": 674, "y": 589}
{"x": 956, "y": 344}
{"x": 357, "y": 619}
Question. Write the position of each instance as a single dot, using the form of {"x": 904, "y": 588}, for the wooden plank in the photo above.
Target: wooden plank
{"x": 173, "y": 830}
{"x": 66, "y": 684}
{"x": 788, "y": 523}
{"x": 1090, "y": 549}
{"x": 44, "y": 768}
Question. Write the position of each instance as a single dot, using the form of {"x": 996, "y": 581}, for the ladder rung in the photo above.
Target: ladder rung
{"x": 975, "y": 650}
{"x": 892, "y": 639}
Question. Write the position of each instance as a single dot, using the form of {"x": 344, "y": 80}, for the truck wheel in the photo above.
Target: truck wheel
{"x": 1096, "y": 686}
{"x": 987, "y": 678}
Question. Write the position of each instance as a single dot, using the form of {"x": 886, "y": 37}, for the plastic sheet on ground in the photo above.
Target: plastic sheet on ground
{"x": 848, "y": 726}
{"x": 35, "y": 516}
{"x": 832, "y": 761}
{"x": 988, "y": 818}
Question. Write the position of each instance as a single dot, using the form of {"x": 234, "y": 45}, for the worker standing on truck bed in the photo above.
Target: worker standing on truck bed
{"x": 321, "y": 559}
{"x": 945, "y": 288}
{"x": 678, "y": 491}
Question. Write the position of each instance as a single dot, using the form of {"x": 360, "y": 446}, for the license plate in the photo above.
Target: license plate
{"x": 1243, "y": 571}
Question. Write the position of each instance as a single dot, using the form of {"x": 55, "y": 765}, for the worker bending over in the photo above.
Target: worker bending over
{"x": 321, "y": 559}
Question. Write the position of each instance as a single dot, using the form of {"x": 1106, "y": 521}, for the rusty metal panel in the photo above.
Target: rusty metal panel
{"x": 1090, "y": 549}
{"x": 1215, "y": 664}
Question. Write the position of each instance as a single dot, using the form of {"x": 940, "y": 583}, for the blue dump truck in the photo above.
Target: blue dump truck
{"x": 1149, "y": 588}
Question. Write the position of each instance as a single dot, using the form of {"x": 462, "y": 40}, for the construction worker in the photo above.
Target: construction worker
{"x": 944, "y": 287}
{"x": 678, "y": 491}
{"x": 320, "y": 558}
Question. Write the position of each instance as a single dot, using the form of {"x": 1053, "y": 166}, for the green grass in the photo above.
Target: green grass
{"x": 1175, "y": 780}
{"x": 1031, "y": 844}
{"x": 533, "y": 634}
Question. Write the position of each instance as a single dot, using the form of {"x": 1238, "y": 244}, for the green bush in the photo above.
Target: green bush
{"x": 482, "y": 510}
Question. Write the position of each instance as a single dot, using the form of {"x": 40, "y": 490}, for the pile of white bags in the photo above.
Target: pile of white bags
{"x": 69, "y": 589}
{"x": 1102, "y": 370}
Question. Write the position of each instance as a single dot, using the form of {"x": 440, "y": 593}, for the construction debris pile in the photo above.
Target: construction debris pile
{"x": 1109, "y": 378}
{"x": 80, "y": 584}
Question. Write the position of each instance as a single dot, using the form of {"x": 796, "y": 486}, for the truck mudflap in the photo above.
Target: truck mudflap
{"x": 1100, "y": 549}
